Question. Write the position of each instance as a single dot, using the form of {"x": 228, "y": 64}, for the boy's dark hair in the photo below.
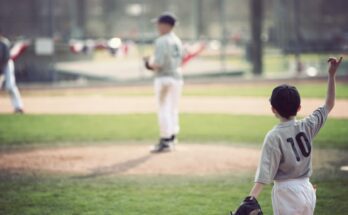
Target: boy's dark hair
{"x": 286, "y": 100}
{"x": 166, "y": 18}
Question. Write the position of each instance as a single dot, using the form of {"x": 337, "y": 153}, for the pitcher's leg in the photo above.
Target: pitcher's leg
{"x": 161, "y": 91}
{"x": 175, "y": 96}
{"x": 164, "y": 120}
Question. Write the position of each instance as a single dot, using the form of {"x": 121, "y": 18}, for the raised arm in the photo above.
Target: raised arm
{"x": 331, "y": 85}
{"x": 18, "y": 49}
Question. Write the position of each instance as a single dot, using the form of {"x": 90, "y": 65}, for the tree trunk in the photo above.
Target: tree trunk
{"x": 256, "y": 11}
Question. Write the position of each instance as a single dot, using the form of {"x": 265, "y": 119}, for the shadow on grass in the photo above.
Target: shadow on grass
{"x": 115, "y": 169}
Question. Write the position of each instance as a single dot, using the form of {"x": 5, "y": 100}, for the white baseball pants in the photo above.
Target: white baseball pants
{"x": 293, "y": 197}
{"x": 168, "y": 92}
{"x": 10, "y": 85}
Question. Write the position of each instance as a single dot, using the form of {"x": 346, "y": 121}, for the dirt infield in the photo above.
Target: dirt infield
{"x": 135, "y": 159}
{"x": 146, "y": 104}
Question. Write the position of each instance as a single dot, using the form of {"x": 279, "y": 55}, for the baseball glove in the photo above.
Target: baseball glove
{"x": 249, "y": 206}
{"x": 147, "y": 64}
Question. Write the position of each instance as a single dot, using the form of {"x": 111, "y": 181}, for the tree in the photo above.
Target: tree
{"x": 256, "y": 11}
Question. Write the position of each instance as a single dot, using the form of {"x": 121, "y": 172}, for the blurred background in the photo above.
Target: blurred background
{"x": 89, "y": 42}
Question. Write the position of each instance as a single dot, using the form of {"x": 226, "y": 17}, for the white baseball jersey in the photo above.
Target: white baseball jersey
{"x": 168, "y": 55}
{"x": 286, "y": 152}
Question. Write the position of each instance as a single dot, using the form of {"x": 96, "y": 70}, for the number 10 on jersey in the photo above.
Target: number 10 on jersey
{"x": 302, "y": 143}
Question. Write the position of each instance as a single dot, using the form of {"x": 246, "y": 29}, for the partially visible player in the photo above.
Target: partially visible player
{"x": 166, "y": 66}
{"x": 286, "y": 157}
{"x": 7, "y": 70}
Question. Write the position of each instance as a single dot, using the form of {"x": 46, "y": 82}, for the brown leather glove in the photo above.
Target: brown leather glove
{"x": 147, "y": 64}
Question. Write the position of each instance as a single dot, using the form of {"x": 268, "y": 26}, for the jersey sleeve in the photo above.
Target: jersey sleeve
{"x": 159, "y": 53}
{"x": 269, "y": 162}
{"x": 314, "y": 122}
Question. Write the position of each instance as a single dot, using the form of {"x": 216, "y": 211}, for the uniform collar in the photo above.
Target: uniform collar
{"x": 169, "y": 33}
{"x": 287, "y": 123}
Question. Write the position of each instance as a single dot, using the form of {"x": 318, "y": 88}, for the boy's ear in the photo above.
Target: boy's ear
{"x": 274, "y": 111}
{"x": 299, "y": 108}
{"x": 276, "y": 114}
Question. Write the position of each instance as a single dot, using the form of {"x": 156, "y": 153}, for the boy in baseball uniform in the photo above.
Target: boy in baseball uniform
{"x": 166, "y": 65}
{"x": 286, "y": 157}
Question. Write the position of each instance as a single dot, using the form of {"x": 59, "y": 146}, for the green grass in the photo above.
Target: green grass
{"x": 147, "y": 195}
{"x": 313, "y": 90}
{"x": 51, "y": 129}
{"x": 307, "y": 90}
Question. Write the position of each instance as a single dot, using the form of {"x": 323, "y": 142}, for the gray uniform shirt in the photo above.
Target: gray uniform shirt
{"x": 287, "y": 148}
{"x": 168, "y": 55}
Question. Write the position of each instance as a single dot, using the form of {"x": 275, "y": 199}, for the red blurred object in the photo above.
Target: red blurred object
{"x": 18, "y": 49}
{"x": 194, "y": 52}
{"x": 76, "y": 46}
{"x": 125, "y": 49}
{"x": 100, "y": 45}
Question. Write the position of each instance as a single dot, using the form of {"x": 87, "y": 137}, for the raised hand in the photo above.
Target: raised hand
{"x": 334, "y": 64}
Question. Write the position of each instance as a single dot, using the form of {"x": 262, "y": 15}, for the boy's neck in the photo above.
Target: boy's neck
{"x": 282, "y": 119}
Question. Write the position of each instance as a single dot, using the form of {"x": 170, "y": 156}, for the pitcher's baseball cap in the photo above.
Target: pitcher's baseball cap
{"x": 167, "y": 18}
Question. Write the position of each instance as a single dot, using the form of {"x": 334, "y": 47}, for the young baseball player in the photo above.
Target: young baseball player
{"x": 166, "y": 66}
{"x": 287, "y": 150}
{"x": 7, "y": 71}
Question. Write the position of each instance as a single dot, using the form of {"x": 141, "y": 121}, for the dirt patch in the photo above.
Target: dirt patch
{"x": 147, "y": 104}
{"x": 187, "y": 159}
{"x": 135, "y": 159}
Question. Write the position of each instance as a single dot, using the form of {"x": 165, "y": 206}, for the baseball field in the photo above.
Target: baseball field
{"x": 86, "y": 151}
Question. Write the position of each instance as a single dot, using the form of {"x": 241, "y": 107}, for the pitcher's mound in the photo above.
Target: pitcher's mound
{"x": 187, "y": 159}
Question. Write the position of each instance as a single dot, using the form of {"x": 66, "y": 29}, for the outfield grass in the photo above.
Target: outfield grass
{"x": 147, "y": 195}
{"x": 307, "y": 90}
{"x": 313, "y": 90}
{"x": 51, "y": 129}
